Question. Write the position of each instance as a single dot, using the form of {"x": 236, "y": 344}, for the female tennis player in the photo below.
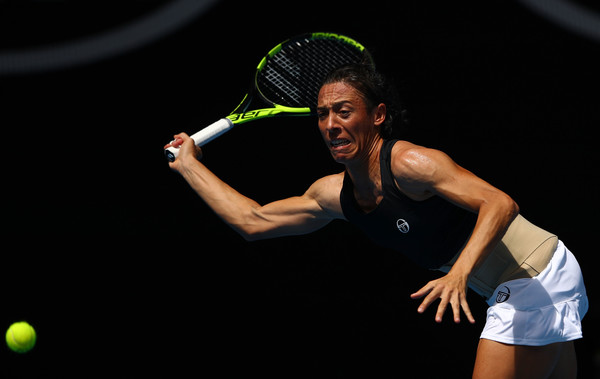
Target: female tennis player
{"x": 419, "y": 202}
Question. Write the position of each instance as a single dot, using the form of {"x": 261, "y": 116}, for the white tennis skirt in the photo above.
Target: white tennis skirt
{"x": 545, "y": 309}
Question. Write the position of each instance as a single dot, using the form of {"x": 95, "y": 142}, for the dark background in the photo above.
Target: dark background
{"x": 124, "y": 272}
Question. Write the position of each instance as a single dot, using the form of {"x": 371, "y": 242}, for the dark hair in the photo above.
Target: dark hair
{"x": 374, "y": 90}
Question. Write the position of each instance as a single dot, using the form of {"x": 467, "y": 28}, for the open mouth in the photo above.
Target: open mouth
{"x": 339, "y": 142}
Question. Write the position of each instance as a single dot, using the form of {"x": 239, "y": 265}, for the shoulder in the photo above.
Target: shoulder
{"x": 326, "y": 192}
{"x": 408, "y": 159}
{"x": 418, "y": 167}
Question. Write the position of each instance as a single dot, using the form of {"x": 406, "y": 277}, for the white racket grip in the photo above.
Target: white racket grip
{"x": 204, "y": 136}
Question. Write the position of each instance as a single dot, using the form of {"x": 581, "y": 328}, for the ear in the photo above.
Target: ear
{"x": 379, "y": 114}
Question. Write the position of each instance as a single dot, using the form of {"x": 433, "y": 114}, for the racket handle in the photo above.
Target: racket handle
{"x": 202, "y": 137}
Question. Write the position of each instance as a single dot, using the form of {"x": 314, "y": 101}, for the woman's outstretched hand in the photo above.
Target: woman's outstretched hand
{"x": 450, "y": 289}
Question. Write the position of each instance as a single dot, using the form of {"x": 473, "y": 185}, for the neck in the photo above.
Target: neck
{"x": 365, "y": 172}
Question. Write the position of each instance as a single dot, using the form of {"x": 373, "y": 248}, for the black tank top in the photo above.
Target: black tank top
{"x": 429, "y": 232}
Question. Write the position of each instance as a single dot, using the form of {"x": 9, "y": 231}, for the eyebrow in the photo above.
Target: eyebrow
{"x": 336, "y": 105}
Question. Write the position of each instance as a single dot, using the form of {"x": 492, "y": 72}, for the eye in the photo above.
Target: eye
{"x": 344, "y": 113}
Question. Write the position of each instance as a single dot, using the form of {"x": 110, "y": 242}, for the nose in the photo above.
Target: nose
{"x": 329, "y": 123}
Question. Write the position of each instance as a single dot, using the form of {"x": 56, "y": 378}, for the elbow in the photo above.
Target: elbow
{"x": 251, "y": 236}
{"x": 502, "y": 206}
{"x": 248, "y": 225}
{"x": 511, "y": 207}
{"x": 255, "y": 226}
{"x": 251, "y": 232}
{"x": 515, "y": 208}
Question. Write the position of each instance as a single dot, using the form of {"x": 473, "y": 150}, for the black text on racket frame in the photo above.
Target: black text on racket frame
{"x": 287, "y": 81}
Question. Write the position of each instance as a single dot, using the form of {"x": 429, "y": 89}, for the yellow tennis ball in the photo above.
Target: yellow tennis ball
{"x": 20, "y": 337}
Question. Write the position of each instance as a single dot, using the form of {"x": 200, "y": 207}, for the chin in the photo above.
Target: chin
{"x": 342, "y": 158}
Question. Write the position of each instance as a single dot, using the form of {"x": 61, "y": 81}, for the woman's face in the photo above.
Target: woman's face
{"x": 348, "y": 127}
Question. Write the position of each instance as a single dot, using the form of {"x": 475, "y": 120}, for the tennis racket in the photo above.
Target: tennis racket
{"x": 287, "y": 81}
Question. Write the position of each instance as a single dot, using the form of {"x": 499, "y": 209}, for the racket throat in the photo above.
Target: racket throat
{"x": 277, "y": 110}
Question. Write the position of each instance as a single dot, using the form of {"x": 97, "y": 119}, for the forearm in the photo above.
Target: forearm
{"x": 231, "y": 206}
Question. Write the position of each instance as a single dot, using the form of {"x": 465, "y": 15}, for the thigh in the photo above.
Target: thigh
{"x": 499, "y": 360}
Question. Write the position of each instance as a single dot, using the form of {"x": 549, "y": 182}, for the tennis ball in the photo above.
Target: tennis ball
{"x": 20, "y": 337}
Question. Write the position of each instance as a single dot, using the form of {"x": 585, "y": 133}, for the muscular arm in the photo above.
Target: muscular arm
{"x": 295, "y": 215}
{"x": 424, "y": 172}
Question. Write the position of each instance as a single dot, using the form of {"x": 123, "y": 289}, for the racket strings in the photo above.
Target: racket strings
{"x": 293, "y": 76}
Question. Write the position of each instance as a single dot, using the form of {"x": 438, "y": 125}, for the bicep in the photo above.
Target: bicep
{"x": 299, "y": 214}
{"x": 435, "y": 172}
{"x": 464, "y": 188}
{"x": 291, "y": 216}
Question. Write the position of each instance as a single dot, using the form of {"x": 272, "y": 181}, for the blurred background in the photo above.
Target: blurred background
{"x": 124, "y": 272}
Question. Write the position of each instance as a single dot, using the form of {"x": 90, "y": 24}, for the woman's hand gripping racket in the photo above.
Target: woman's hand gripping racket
{"x": 287, "y": 81}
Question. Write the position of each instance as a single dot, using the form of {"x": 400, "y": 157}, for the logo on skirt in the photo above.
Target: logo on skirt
{"x": 503, "y": 295}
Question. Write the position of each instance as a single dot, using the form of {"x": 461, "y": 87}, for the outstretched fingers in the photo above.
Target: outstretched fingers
{"x": 427, "y": 292}
{"x": 448, "y": 295}
{"x": 466, "y": 310}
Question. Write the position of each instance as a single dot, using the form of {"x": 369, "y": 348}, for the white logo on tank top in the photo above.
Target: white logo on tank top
{"x": 402, "y": 225}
